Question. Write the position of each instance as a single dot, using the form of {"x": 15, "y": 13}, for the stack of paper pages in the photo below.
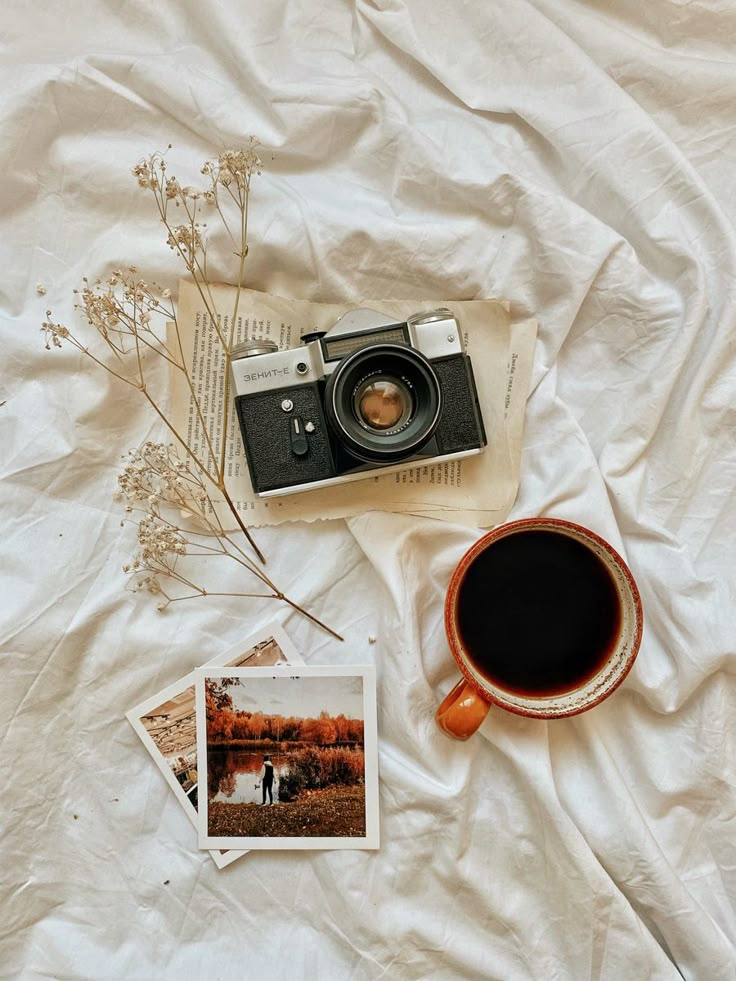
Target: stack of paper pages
{"x": 477, "y": 491}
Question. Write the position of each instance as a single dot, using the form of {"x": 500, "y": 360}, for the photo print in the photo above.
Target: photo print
{"x": 166, "y": 722}
{"x": 288, "y": 757}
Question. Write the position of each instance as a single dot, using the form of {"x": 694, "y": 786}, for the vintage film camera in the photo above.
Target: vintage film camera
{"x": 369, "y": 396}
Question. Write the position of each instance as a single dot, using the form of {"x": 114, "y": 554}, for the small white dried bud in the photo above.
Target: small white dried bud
{"x": 144, "y": 175}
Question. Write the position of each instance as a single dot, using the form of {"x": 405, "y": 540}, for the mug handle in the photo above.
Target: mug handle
{"x": 462, "y": 711}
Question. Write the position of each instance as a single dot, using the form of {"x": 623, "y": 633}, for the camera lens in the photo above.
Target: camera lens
{"x": 383, "y": 402}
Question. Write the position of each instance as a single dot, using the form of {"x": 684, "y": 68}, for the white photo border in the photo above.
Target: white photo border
{"x": 371, "y": 839}
{"x": 273, "y": 631}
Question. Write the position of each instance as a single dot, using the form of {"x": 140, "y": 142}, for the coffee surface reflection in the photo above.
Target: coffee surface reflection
{"x": 538, "y": 613}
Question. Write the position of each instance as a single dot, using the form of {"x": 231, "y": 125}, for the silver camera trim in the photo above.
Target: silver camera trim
{"x": 434, "y": 333}
{"x": 373, "y": 472}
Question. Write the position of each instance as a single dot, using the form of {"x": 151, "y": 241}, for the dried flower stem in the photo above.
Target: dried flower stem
{"x": 157, "y": 478}
{"x": 131, "y": 316}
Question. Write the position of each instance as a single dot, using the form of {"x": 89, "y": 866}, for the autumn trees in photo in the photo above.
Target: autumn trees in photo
{"x": 225, "y": 723}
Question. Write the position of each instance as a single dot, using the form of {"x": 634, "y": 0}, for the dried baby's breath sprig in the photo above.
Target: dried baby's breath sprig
{"x": 178, "y": 524}
{"x": 53, "y": 333}
{"x": 173, "y": 486}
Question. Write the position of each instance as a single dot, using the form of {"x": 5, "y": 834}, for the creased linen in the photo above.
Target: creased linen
{"x": 574, "y": 157}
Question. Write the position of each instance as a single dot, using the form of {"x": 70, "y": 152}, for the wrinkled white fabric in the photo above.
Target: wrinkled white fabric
{"x": 575, "y": 158}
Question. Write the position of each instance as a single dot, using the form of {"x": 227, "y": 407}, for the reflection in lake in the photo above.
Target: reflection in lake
{"x": 233, "y": 775}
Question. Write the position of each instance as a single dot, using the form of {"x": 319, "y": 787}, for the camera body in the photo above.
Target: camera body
{"x": 369, "y": 396}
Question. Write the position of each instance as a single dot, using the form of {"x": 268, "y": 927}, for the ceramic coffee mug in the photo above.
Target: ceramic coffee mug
{"x": 543, "y": 618}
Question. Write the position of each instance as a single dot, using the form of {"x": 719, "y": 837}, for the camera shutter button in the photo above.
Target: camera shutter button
{"x": 299, "y": 444}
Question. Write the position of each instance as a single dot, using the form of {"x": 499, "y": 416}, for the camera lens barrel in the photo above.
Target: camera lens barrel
{"x": 383, "y": 402}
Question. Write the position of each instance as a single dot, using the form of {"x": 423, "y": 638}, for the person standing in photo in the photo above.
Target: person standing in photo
{"x": 267, "y": 779}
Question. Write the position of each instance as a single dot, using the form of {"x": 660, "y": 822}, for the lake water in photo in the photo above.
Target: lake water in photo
{"x": 235, "y": 773}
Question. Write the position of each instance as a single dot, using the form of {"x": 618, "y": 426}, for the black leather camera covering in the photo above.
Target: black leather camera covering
{"x": 461, "y": 425}
{"x": 265, "y": 428}
{"x": 267, "y": 440}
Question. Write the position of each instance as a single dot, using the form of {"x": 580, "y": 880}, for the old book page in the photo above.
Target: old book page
{"x": 477, "y": 491}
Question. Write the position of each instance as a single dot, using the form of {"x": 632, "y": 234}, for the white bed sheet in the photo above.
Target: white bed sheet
{"x": 575, "y": 158}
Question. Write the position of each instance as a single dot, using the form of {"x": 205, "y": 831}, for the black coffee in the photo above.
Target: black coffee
{"x": 538, "y": 613}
